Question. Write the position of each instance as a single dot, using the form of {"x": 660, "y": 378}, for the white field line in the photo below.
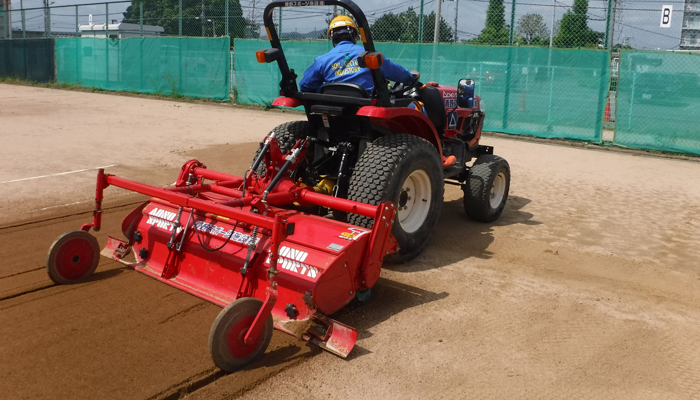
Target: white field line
{"x": 59, "y": 174}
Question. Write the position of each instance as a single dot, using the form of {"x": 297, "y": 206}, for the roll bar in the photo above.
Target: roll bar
{"x": 288, "y": 85}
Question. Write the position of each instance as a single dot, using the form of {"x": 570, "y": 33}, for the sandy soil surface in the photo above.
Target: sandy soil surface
{"x": 587, "y": 287}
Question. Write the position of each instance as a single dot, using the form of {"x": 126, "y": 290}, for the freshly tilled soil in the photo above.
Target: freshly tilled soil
{"x": 586, "y": 287}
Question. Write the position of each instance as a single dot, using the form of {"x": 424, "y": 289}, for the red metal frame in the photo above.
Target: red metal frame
{"x": 223, "y": 199}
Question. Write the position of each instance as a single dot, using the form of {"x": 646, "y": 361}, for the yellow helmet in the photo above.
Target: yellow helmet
{"x": 340, "y": 21}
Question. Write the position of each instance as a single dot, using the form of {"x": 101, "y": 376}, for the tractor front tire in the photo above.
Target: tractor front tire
{"x": 406, "y": 170}
{"x": 486, "y": 189}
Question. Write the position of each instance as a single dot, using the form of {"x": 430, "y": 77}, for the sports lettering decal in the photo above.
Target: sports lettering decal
{"x": 215, "y": 230}
{"x": 303, "y": 3}
{"x": 293, "y": 260}
{"x": 163, "y": 219}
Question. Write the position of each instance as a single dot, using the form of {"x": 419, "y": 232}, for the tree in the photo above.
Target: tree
{"x": 574, "y": 30}
{"x": 404, "y": 28}
{"x": 496, "y": 30}
{"x": 165, "y": 13}
{"x": 532, "y": 29}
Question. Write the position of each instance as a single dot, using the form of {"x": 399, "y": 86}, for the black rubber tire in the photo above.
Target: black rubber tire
{"x": 286, "y": 134}
{"x": 477, "y": 189}
{"x": 238, "y": 315}
{"x": 378, "y": 176}
{"x": 72, "y": 257}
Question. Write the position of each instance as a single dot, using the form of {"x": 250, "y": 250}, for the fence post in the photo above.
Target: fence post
{"x": 512, "y": 23}
{"x": 179, "y": 17}
{"x": 420, "y": 22}
{"x": 141, "y": 18}
{"x": 48, "y": 20}
{"x": 280, "y": 23}
{"x": 227, "y": 32}
{"x": 77, "y": 29}
{"x": 107, "y": 43}
{"x": 24, "y": 26}
{"x": 608, "y": 19}
{"x": 551, "y": 93}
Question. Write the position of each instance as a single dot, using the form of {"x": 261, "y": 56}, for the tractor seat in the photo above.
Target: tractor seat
{"x": 434, "y": 107}
{"x": 344, "y": 89}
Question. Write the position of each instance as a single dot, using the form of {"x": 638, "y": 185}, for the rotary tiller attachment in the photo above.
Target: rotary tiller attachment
{"x": 242, "y": 243}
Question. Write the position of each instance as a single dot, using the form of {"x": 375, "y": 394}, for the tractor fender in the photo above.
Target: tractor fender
{"x": 403, "y": 120}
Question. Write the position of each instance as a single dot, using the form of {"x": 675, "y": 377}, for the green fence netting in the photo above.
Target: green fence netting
{"x": 194, "y": 67}
{"x": 30, "y": 59}
{"x": 533, "y": 91}
{"x": 658, "y": 100}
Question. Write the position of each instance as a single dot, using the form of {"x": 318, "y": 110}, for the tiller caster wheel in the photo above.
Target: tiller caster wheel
{"x": 72, "y": 257}
{"x": 226, "y": 338}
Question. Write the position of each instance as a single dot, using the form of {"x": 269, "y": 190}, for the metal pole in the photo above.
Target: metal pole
{"x": 608, "y": 17}
{"x": 141, "y": 19}
{"x": 551, "y": 33}
{"x": 280, "y": 23}
{"x": 48, "y": 18}
{"x": 436, "y": 32}
{"x": 179, "y": 17}
{"x": 201, "y": 17}
{"x": 512, "y": 23}
{"x": 77, "y": 28}
{"x": 456, "y": 15}
{"x": 24, "y": 26}
{"x": 8, "y": 19}
{"x": 226, "y": 25}
{"x": 107, "y": 44}
{"x": 420, "y": 22}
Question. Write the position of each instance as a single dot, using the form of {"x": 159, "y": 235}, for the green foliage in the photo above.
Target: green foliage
{"x": 531, "y": 30}
{"x": 574, "y": 30}
{"x": 404, "y": 28}
{"x": 165, "y": 13}
{"x": 496, "y": 31}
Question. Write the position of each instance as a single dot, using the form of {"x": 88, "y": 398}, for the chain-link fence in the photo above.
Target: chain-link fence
{"x": 619, "y": 29}
{"x": 618, "y": 24}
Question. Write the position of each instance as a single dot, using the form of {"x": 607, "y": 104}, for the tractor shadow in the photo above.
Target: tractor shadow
{"x": 457, "y": 237}
{"x": 388, "y": 299}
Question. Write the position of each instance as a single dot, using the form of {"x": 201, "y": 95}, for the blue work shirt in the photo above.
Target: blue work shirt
{"x": 340, "y": 65}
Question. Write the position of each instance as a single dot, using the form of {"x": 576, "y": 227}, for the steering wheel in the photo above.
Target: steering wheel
{"x": 399, "y": 88}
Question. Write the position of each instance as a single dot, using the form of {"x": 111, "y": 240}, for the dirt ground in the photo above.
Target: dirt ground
{"x": 587, "y": 287}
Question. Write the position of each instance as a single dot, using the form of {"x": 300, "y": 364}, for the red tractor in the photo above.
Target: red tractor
{"x": 307, "y": 228}
{"x": 377, "y": 147}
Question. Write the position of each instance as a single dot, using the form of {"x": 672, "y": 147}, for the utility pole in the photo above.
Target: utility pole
{"x": 420, "y": 22}
{"x": 436, "y": 33}
{"x": 456, "y": 16}
{"x": 203, "y": 20}
{"x": 47, "y": 27}
{"x": 551, "y": 33}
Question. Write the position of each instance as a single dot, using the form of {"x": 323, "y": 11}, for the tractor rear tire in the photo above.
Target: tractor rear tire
{"x": 226, "y": 346}
{"x": 486, "y": 190}
{"x": 405, "y": 169}
{"x": 287, "y": 135}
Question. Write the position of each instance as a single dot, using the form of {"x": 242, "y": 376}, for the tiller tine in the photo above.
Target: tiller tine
{"x": 331, "y": 335}
{"x": 116, "y": 249}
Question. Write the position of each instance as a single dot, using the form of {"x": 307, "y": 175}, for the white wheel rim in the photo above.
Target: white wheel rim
{"x": 414, "y": 201}
{"x": 498, "y": 190}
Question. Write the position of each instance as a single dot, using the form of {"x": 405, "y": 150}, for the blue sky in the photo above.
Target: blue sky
{"x": 639, "y": 20}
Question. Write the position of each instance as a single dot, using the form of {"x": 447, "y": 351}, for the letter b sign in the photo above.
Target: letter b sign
{"x": 666, "y": 13}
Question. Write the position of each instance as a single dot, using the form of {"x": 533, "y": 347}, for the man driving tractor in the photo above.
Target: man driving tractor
{"x": 340, "y": 64}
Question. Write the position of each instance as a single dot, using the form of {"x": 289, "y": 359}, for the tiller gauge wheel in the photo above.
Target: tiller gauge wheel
{"x": 72, "y": 257}
{"x": 226, "y": 339}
